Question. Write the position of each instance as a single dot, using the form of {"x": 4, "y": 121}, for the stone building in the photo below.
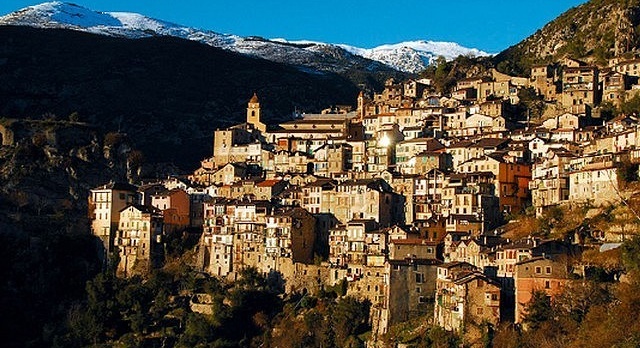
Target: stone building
{"x": 366, "y": 199}
{"x": 240, "y": 143}
{"x": 466, "y": 300}
{"x": 347, "y": 245}
{"x": 290, "y": 234}
{"x": 543, "y": 80}
{"x": 233, "y": 235}
{"x": 105, "y": 204}
{"x": 580, "y": 90}
{"x": 538, "y": 274}
{"x": 549, "y": 184}
{"x": 411, "y": 289}
{"x": 595, "y": 181}
{"x": 511, "y": 181}
{"x": 175, "y": 207}
{"x": 139, "y": 240}
{"x": 330, "y": 159}
{"x": 414, "y": 248}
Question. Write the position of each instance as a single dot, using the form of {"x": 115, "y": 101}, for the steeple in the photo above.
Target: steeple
{"x": 361, "y": 106}
{"x": 254, "y": 99}
{"x": 253, "y": 113}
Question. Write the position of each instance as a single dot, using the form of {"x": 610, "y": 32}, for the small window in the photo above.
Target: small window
{"x": 548, "y": 270}
{"x": 538, "y": 270}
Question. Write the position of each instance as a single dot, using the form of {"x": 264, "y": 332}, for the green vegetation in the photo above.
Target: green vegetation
{"x": 157, "y": 310}
{"x": 53, "y": 293}
{"x": 590, "y": 32}
{"x": 630, "y": 106}
{"x": 444, "y": 74}
{"x": 589, "y": 313}
{"x": 531, "y": 104}
{"x": 538, "y": 310}
{"x": 323, "y": 321}
{"x": 417, "y": 333}
{"x": 627, "y": 172}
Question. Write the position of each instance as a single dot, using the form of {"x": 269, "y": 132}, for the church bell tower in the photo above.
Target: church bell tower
{"x": 253, "y": 113}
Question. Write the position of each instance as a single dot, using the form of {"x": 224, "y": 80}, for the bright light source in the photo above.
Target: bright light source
{"x": 384, "y": 141}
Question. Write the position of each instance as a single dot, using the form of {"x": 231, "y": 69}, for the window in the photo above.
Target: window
{"x": 479, "y": 311}
{"x": 538, "y": 270}
{"x": 547, "y": 284}
{"x": 547, "y": 270}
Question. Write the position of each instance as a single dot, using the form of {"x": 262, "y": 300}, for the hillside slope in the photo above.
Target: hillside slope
{"x": 594, "y": 31}
{"x": 167, "y": 94}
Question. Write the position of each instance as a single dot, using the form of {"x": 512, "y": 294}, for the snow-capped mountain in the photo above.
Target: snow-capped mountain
{"x": 409, "y": 57}
{"x": 414, "y": 56}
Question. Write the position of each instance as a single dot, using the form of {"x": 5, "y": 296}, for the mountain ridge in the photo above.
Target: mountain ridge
{"x": 408, "y": 57}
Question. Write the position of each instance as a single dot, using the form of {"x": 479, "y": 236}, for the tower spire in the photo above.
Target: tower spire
{"x": 253, "y": 113}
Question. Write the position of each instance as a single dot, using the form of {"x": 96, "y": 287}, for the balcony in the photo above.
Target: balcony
{"x": 599, "y": 165}
{"x": 123, "y": 242}
{"x": 579, "y": 86}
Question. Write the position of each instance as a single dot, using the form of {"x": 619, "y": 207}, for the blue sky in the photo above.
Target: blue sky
{"x": 488, "y": 25}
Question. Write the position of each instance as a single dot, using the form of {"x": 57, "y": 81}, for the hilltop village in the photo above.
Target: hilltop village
{"x": 405, "y": 199}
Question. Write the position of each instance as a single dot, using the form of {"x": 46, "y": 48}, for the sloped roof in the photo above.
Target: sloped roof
{"x": 141, "y": 208}
{"x": 268, "y": 183}
{"x": 117, "y": 186}
{"x": 491, "y": 142}
{"x": 473, "y": 275}
{"x": 455, "y": 264}
{"x": 414, "y": 241}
